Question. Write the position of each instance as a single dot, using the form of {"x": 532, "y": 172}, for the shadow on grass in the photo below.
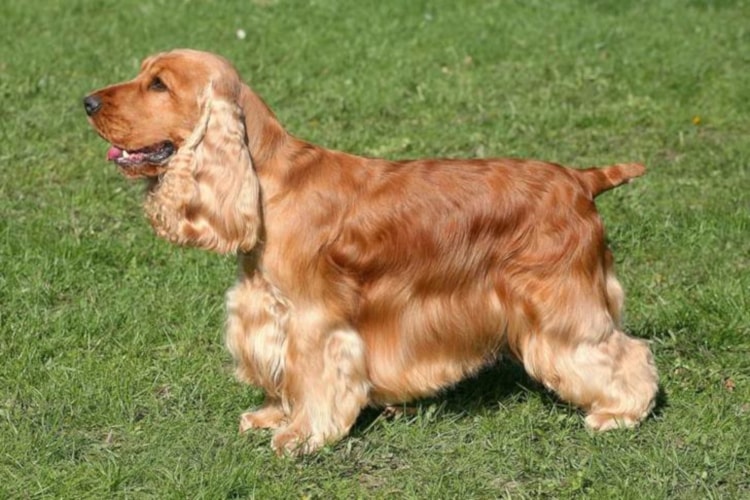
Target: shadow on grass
{"x": 487, "y": 390}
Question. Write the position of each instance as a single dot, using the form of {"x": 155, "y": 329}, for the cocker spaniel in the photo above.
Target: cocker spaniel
{"x": 374, "y": 282}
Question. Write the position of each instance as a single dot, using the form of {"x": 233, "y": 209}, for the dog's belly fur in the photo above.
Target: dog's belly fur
{"x": 429, "y": 342}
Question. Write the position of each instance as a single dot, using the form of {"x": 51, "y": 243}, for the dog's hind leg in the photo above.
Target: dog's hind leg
{"x": 612, "y": 378}
{"x": 615, "y": 293}
{"x": 628, "y": 396}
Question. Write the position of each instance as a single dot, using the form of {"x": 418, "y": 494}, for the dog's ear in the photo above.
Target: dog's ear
{"x": 228, "y": 186}
{"x": 209, "y": 196}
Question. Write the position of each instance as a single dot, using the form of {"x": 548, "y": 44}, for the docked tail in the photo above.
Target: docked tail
{"x": 598, "y": 180}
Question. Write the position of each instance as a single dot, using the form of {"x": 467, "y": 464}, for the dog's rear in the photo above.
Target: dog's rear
{"x": 522, "y": 266}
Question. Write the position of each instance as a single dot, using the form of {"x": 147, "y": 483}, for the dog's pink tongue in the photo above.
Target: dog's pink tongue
{"x": 114, "y": 152}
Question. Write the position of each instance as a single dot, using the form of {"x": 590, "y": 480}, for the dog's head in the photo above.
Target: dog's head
{"x": 180, "y": 123}
{"x": 147, "y": 119}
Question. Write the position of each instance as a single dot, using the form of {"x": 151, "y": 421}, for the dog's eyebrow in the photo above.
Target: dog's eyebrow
{"x": 157, "y": 63}
{"x": 147, "y": 62}
{"x": 160, "y": 66}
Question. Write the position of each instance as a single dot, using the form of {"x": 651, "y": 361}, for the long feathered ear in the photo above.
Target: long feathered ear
{"x": 209, "y": 196}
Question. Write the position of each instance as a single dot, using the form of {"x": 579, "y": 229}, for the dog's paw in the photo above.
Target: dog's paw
{"x": 606, "y": 421}
{"x": 293, "y": 442}
{"x": 268, "y": 417}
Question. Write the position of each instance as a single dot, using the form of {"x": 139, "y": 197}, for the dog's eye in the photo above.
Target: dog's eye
{"x": 157, "y": 84}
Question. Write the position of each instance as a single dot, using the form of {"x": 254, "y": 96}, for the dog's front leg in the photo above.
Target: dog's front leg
{"x": 269, "y": 416}
{"x": 256, "y": 337}
{"x": 325, "y": 385}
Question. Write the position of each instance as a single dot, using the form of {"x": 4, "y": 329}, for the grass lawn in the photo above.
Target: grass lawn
{"x": 114, "y": 382}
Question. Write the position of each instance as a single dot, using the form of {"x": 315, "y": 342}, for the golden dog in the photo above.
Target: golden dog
{"x": 373, "y": 282}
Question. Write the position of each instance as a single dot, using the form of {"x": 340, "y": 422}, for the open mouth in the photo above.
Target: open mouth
{"x": 158, "y": 154}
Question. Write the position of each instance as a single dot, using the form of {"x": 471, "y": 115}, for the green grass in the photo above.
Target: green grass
{"x": 113, "y": 379}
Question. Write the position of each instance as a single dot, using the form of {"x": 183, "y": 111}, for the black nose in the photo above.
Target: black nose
{"x": 92, "y": 103}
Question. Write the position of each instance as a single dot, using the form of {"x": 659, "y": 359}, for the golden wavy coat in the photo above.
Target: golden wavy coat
{"x": 367, "y": 281}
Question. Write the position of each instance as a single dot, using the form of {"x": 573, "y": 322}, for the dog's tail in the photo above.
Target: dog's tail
{"x": 598, "y": 180}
